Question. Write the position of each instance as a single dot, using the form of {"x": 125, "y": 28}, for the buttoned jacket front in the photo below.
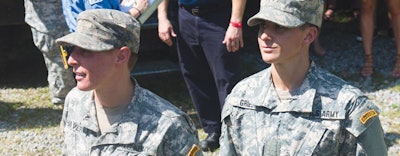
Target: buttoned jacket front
{"x": 325, "y": 116}
{"x": 150, "y": 126}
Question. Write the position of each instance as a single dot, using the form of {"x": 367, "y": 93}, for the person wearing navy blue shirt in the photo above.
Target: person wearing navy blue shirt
{"x": 208, "y": 38}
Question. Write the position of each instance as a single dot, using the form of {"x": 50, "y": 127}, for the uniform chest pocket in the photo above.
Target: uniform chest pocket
{"x": 301, "y": 138}
{"x": 319, "y": 140}
{"x": 311, "y": 139}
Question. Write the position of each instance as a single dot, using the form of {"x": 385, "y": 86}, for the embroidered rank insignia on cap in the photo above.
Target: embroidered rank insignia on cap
{"x": 368, "y": 115}
{"x": 193, "y": 150}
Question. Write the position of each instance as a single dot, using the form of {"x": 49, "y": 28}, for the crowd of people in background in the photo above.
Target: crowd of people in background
{"x": 209, "y": 37}
{"x": 368, "y": 20}
{"x": 375, "y": 18}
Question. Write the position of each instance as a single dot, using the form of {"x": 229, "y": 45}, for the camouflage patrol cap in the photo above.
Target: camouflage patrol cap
{"x": 104, "y": 29}
{"x": 289, "y": 13}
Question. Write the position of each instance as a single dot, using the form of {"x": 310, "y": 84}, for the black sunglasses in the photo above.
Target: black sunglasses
{"x": 65, "y": 53}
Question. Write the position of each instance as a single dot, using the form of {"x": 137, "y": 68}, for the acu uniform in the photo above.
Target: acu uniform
{"x": 47, "y": 23}
{"x": 325, "y": 116}
{"x": 150, "y": 126}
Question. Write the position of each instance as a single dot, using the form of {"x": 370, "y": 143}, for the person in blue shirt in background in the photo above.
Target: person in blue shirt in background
{"x": 71, "y": 8}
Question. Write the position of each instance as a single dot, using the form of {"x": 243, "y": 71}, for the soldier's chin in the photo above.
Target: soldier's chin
{"x": 83, "y": 87}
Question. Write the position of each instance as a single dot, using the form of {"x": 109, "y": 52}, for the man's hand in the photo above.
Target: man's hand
{"x": 233, "y": 39}
{"x": 142, "y": 5}
{"x": 166, "y": 31}
{"x": 134, "y": 7}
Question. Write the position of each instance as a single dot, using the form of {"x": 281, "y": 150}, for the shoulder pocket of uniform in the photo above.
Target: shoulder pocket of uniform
{"x": 360, "y": 119}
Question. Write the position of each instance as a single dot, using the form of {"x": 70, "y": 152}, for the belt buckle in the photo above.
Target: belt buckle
{"x": 195, "y": 11}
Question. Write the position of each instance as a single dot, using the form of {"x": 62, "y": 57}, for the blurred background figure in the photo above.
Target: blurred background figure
{"x": 47, "y": 23}
{"x": 208, "y": 37}
{"x": 72, "y": 8}
{"x": 337, "y": 11}
{"x": 367, "y": 26}
{"x": 329, "y": 6}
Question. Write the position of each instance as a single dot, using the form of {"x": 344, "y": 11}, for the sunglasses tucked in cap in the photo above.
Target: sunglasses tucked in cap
{"x": 289, "y": 13}
{"x": 104, "y": 29}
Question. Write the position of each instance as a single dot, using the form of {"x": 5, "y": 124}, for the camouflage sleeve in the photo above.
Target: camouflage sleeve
{"x": 364, "y": 124}
{"x": 372, "y": 140}
{"x": 63, "y": 120}
{"x": 181, "y": 139}
{"x": 65, "y": 112}
{"x": 226, "y": 143}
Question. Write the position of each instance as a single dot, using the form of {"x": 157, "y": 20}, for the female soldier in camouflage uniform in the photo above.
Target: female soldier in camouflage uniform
{"x": 294, "y": 107}
{"x": 108, "y": 113}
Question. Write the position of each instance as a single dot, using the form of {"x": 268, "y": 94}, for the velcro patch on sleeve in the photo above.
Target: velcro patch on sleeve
{"x": 367, "y": 115}
{"x": 193, "y": 150}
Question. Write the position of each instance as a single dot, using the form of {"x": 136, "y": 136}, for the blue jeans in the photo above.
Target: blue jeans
{"x": 209, "y": 70}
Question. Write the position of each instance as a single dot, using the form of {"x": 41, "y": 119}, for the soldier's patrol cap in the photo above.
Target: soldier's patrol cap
{"x": 289, "y": 13}
{"x": 104, "y": 29}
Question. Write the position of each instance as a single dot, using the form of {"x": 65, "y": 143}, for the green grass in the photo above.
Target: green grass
{"x": 33, "y": 104}
{"x": 395, "y": 88}
{"x": 26, "y": 106}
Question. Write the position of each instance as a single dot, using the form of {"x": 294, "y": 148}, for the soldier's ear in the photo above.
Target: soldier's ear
{"x": 123, "y": 55}
{"x": 311, "y": 34}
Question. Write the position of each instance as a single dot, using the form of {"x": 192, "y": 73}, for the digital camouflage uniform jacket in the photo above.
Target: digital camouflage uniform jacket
{"x": 150, "y": 126}
{"x": 326, "y": 117}
{"x": 46, "y": 16}
{"x": 47, "y": 23}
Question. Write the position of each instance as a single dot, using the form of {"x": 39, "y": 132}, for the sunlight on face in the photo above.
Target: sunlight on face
{"x": 279, "y": 44}
{"x": 91, "y": 69}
